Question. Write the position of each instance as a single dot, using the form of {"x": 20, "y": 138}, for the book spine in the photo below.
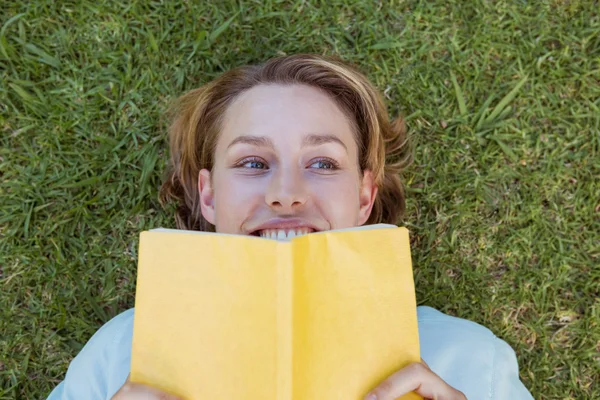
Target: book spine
{"x": 284, "y": 321}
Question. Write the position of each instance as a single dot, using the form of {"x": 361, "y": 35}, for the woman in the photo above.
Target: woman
{"x": 299, "y": 144}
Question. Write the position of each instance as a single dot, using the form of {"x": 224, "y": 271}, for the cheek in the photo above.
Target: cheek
{"x": 338, "y": 200}
{"x": 235, "y": 200}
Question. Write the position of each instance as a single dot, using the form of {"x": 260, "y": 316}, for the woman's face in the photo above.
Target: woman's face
{"x": 286, "y": 164}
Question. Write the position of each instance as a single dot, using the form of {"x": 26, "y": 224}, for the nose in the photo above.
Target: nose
{"x": 286, "y": 192}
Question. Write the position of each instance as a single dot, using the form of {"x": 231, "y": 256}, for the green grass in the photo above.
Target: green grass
{"x": 502, "y": 99}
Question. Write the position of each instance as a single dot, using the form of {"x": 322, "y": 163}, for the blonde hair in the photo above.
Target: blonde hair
{"x": 196, "y": 118}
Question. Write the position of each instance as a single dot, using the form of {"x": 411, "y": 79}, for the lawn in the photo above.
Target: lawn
{"x": 502, "y": 99}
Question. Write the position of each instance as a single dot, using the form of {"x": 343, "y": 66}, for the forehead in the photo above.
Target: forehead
{"x": 285, "y": 112}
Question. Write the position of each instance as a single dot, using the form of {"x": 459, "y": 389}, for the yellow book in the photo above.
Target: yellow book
{"x": 327, "y": 315}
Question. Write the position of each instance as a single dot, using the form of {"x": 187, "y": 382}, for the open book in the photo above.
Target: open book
{"x": 327, "y": 315}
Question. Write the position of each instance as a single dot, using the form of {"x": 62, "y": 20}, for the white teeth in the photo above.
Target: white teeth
{"x": 283, "y": 234}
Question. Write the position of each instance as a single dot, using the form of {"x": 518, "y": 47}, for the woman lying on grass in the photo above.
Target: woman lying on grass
{"x": 300, "y": 143}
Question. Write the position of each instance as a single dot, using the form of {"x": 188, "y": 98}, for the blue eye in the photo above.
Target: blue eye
{"x": 253, "y": 163}
{"x": 324, "y": 164}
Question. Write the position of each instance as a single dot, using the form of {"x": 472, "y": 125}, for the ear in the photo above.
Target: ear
{"x": 367, "y": 194}
{"x": 207, "y": 196}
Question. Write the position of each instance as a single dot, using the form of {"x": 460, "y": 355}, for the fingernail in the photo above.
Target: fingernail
{"x": 371, "y": 396}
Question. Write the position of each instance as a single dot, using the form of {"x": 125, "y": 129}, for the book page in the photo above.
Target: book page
{"x": 206, "y": 315}
{"x": 355, "y": 320}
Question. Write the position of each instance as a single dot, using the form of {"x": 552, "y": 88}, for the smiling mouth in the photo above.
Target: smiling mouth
{"x": 282, "y": 234}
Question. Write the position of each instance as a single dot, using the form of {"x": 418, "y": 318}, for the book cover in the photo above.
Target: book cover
{"x": 325, "y": 315}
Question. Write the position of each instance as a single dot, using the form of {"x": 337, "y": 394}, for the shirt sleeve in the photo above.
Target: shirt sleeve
{"x": 505, "y": 374}
{"x": 102, "y": 366}
{"x": 469, "y": 357}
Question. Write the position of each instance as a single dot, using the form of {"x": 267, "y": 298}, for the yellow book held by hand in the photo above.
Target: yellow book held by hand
{"x": 327, "y": 315}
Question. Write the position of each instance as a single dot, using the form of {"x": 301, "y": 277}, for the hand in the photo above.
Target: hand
{"x": 137, "y": 391}
{"x": 418, "y": 378}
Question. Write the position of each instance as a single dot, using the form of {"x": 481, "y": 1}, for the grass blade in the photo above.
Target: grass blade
{"x": 100, "y": 313}
{"x": 5, "y": 48}
{"x": 483, "y": 112}
{"x": 44, "y": 57}
{"x": 385, "y": 45}
{"x": 507, "y": 150}
{"x": 506, "y": 100}
{"x": 217, "y": 32}
{"x": 152, "y": 41}
{"x": 10, "y": 21}
{"x": 85, "y": 182}
{"x": 459, "y": 96}
{"x": 24, "y": 94}
{"x": 147, "y": 169}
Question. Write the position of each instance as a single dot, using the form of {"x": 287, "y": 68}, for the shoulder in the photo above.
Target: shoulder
{"x": 469, "y": 357}
{"x": 435, "y": 323}
{"x": 102, "y": 366}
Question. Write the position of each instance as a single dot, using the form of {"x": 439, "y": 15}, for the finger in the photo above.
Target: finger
{"x": 423, "y": 362}
{"x": 417, "y": 378}
{"x": 137, "y": 391}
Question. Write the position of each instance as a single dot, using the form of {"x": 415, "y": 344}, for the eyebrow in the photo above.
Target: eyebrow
{"x": 309, "y": 140}
{"x": 318, "y": 139}
{"x": 258, "y": 141}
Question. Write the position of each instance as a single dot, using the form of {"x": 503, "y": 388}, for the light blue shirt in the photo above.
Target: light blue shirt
{"x": 464, "y": 354}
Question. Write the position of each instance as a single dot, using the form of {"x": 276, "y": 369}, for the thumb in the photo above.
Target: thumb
{"x": 137, "y": 391}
